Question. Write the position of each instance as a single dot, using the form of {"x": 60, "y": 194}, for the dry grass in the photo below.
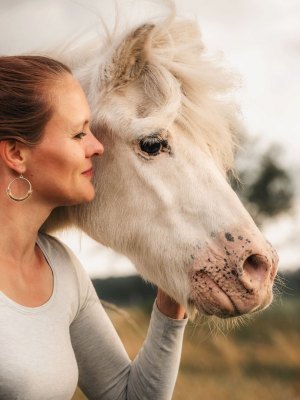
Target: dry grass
{"x": 257, "y": 361}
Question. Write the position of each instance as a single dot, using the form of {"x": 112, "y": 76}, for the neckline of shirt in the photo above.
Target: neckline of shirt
{"x": 43, "y": 306}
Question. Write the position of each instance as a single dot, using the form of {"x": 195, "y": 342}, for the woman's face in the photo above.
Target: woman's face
{"x": 60, "y": 166}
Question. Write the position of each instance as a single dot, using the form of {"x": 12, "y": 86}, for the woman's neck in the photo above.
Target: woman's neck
{"x": 21, "y": 222}
{"x": 25, "y": 276}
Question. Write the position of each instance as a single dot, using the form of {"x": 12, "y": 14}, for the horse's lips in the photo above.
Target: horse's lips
{"x": 209, "y": 298}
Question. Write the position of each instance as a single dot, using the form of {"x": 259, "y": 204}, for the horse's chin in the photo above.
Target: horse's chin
{"x": 220, "y": 305}
{"x": 209, "y": 310}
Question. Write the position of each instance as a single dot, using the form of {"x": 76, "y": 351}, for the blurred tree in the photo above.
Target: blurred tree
{"x": 263, "y": 184}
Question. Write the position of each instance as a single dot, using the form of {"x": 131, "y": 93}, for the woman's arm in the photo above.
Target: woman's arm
{"x": 105, "y": 370}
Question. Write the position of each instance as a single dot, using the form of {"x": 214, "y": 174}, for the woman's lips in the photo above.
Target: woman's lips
{"x": 88, "y": 172}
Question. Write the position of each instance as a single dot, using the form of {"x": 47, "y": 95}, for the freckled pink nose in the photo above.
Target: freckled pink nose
{"x": 256, "y": 273}
{"x": 255, "y": 259}
{"x": 233, "y": 274}
{"x": 254, "y": 264}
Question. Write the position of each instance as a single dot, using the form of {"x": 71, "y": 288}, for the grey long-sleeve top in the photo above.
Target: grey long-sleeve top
{"x": 46, "y": 351}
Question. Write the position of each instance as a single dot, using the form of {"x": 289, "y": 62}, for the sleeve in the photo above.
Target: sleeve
{"x": 105, "y": 370}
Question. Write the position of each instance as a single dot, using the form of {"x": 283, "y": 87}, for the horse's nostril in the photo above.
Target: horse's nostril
{"x": 253, "y": 261}
{"x": 256, "y": 267}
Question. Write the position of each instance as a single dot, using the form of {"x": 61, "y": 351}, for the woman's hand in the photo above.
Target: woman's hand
{"x": 168, "y": 306}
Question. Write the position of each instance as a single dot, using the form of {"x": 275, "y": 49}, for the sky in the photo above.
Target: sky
{"x": 258, "y": 40}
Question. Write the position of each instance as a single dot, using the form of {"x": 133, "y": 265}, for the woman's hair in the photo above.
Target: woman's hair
{"x": 25, "y": 95}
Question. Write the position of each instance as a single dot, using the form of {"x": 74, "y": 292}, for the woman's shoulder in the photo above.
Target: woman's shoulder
{"x": 65, "y": 262}
{"x": 56, "y": 251}
{"x": 72, "y": 282}
{"x": 50, "y": 243}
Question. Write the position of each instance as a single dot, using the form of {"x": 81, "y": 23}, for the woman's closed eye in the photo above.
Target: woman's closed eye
{"x": 80, "y": 135}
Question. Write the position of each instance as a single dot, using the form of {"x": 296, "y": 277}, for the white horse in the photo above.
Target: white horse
{"x": 162, "y": 197}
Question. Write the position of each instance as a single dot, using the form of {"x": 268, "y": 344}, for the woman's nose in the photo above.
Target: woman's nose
{"x": 95, "y": 147}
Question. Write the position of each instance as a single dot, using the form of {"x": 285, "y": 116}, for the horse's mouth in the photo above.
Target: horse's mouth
{"x": 210, "y": 299}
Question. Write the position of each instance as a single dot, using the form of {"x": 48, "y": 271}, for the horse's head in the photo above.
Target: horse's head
{"x": 162, "y": 194}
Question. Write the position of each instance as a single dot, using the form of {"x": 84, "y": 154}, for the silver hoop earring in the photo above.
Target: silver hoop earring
{"x": 15, "y": 198}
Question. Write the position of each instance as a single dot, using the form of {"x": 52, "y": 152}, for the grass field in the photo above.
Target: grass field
{"x": 258, "y": 360}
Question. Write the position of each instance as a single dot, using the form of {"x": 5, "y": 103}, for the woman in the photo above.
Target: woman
{"x": 53, "y": 331}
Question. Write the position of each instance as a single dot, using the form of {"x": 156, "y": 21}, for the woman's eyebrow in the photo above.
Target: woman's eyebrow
{"x": 81, "y": 125}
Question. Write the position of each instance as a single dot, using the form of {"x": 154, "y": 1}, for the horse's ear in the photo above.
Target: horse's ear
{"x": 129, "y": 59}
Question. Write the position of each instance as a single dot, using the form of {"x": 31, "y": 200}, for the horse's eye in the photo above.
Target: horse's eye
{"x": 151, "y": 145}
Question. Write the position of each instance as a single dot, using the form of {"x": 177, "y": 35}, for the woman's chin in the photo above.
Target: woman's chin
{"x": 89, "y": 195}
{"x": 84, "y": 197}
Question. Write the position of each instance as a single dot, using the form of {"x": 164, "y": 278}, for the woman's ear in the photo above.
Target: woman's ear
{"x": 13, "y": 155}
